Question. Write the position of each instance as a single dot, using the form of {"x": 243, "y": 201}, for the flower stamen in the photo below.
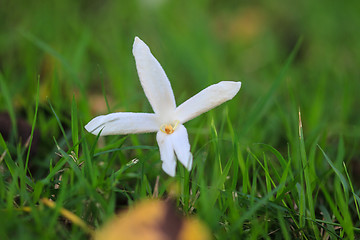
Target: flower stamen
{"x": 169, "y": 128}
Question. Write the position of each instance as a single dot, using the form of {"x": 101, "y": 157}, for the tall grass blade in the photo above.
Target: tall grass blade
{"x": 33, "y": 124}
{"x": 307, "y": 176}
{"x": 337, "y": 171}
{"x": 74, "y": 127}
{"x": 356, "y": 198}
{"x": 103, "y": 89}
{"x": 60, "y": 125}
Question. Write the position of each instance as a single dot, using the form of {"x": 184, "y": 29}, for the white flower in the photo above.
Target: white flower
{"x": 167, "y": 119}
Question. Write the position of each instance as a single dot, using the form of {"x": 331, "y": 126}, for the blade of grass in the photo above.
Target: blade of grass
{"x": 335, "y": 210}
{"x": 244, "y": 166}
{"x": 33, "y": 124}
{"x": 60, "y": 125}
{"x": 7, "y": 157}
{"x": 69, "y": 215}
{"x": 88, "y": 155}
{"x": 74, "y": 126}
{"x": 356, "y": 198}
{"x": 278, "y": 155}
{"x": 330, "y": 227}
{"x": 252, "y": 210}
{"x": 214, "y": 134}
{"x": 70, "y": 160}
{"x": 219, "y": 184}
{"x": 235, "y": 168}
{"x": 337, "y": 171}
{"x": 301, "y": 204}
{"x": 283, "y": 227}
{"x": 268, "y": 180}
{"x": 125, "y": 148}
{"x": 54, "y": 170}
{"x": 103, "y": 88}
{"x": 307, "y": 174}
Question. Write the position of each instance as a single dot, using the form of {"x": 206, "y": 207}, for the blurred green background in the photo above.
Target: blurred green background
{"x": 82, "y": 50}
{"x": 74, "y": 46}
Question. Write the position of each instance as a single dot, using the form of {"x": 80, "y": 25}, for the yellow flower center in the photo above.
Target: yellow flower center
{"x": 169, "y": 128}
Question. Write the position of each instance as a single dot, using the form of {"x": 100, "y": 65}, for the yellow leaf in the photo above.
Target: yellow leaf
{"x": 153, "y": 220}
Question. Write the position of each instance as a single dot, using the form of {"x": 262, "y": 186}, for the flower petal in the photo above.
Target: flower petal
{"x": 181, "y": 145}
{"x": 207, "y": 99}
{"x": 154, "y": 81}
{"x": 123, "y": 123}
{"x": 167, "y": 154}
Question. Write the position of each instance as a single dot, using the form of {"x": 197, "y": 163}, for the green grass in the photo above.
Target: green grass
{"x": 260, "y": 171}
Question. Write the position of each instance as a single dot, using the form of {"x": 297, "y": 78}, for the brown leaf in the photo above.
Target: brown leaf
{"x": 153, "y": 220}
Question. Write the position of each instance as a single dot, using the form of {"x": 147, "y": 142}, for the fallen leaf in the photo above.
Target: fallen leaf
{"x": 153, "y": 220}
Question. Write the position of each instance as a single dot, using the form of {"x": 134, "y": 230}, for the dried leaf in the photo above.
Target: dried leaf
{"x": 153, "y": 220}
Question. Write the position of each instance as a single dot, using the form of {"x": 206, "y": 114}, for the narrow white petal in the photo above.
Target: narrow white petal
{"x": 207, "y": 99}
{"x": 181, "y": 145}
{"x": 123, "y": 123}
{"x": 153, "y": 79}
{"x": 167, "y": 154}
